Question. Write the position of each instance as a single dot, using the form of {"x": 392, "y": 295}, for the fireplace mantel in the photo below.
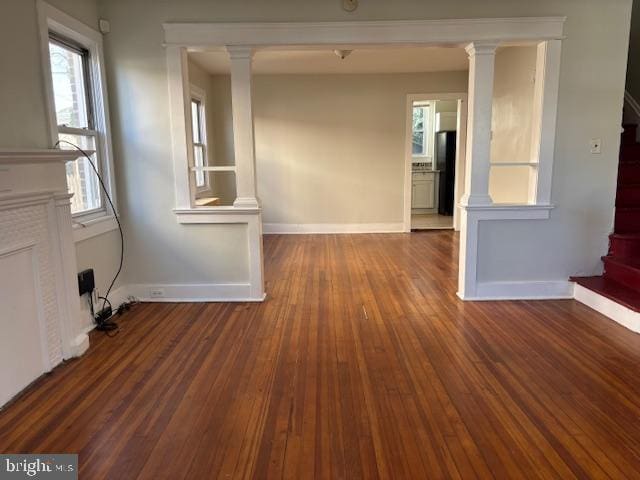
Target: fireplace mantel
{"x": 40, "y": 318}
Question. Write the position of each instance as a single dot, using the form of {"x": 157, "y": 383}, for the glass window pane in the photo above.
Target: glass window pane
{"x": 82, "y": 180}
{"x": 198, "y": 158}
{"x": 418, "y": 143}
{"x": 418, "y": 118}
{"x": 195, "y": 121}
{"x": 69, "y": 86}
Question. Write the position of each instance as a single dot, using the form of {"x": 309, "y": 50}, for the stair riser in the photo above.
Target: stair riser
{"x": 628, "y": 197}
{"x": 629, "y": 137}
{"x": 627, "y": 222}
{"x": 628, "y": 173}
{"x": 623, "y": 274}
{"x": 624, "y": 248}
{"x": 630, "y": 153}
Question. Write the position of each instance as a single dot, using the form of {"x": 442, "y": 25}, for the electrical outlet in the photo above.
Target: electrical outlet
{"x": 596, "y": 145}
{"x": 156, "y": 292}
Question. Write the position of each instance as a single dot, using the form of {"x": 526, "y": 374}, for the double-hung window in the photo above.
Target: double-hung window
{"x": 78, "y": 115}
{"x": 199, "y": 134}
{"x": 422, "y": 131}
{"x": 71, "y": 80}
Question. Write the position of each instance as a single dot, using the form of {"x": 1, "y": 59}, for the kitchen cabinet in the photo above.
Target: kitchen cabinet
{"x": 423, "y": 190}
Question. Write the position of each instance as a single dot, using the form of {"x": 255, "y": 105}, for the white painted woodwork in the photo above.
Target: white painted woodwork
{"x": 180, "y": 105}
{"x": 481, "y": 37}
{"x": 609, "y": 308}
{"x": 51, "y": 19}
{"x": 40, "y": 318}
{"x": 481, "y": 72}
{"x": 23, "y": 352}
{"x": 385, "y": 32}
{"x": 243, "y": 137}
{"x": 545, "y": 105}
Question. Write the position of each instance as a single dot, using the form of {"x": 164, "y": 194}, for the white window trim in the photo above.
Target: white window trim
{"x": 428, "y": 133}
{"x": 86, "y": 224}
{"x": 200, "y": 95}
{"x": 425, "y": 141}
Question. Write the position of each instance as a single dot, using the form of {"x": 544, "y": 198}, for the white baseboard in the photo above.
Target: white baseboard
{"x": 616, "y": 312}
{"x": 540, "y": 290}
{"x": 297, "y": 228}
{"x": 80, "y": 345}
{"x": 232, "y": 292}
{"x": 119, "y": 296}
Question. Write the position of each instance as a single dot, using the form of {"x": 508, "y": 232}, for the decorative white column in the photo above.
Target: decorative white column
{"x": 481, "y": 71}
{"x": 244, "y": 146}
{"x": 482, "y": 57}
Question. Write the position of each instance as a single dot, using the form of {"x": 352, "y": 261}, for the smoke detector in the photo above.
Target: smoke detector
{"x": 342, "y": 54}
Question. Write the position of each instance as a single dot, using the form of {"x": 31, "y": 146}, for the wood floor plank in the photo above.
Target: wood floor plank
{"x": 361, "y": 363}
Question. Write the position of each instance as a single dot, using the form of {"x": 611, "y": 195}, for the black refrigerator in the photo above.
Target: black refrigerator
{"x": 446, "y": 164}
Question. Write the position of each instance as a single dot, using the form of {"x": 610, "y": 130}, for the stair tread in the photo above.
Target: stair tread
{"x": 629, "y": 209}
{"x": 625, "y": 236}
{"x": 632, "y": 263}
{"x": 612, "y": 290}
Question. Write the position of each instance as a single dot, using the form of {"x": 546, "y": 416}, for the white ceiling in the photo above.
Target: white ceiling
{"x": 369, "y": 60}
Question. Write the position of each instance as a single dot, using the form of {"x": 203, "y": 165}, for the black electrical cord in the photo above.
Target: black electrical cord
{"x": 113, "y": 209}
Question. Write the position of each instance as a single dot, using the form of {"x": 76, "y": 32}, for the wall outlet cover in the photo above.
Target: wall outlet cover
{"x": 596, "y": 145}
{"x": 156, "y": 292}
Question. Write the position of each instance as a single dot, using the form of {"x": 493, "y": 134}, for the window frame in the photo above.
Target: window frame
{"x": 62, "y": 27}
{"x": 197, "y": 94}
{"x": 427, "y": 126}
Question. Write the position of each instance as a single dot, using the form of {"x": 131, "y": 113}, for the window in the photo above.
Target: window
{"x": 71, "y": 81}
{"x": 77, "y": 112}
{"x": 420, "y": 145}
{"x": 199, "y": 142}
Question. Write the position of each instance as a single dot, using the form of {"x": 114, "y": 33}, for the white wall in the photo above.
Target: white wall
{"x": 590, "y": 106}
{"x": 331, "y": 148}
{"x": 23, "y": 121}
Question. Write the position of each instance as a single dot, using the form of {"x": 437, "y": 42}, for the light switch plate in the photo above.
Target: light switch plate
{"x": 596, "y": 145}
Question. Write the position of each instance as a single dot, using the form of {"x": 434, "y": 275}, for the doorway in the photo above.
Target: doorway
{"x": 434, "y": 163}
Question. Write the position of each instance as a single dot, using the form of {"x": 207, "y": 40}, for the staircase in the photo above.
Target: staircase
{"x": 621, "y": 279}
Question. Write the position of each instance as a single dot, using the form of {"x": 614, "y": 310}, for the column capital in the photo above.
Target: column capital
{"x": 237, "y": 52}
{"x": 481, "y": 48}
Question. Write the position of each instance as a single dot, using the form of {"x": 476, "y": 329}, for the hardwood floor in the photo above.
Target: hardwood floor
{"x": 362, "y": 363}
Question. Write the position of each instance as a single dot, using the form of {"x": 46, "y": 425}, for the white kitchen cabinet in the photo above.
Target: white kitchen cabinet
{"x": 423, "y": 190}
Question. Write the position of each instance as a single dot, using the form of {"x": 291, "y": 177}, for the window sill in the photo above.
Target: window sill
{"x": 94, "y": 227}
{"x": 504, "y": 211}
{"x": 221, "y": 214}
